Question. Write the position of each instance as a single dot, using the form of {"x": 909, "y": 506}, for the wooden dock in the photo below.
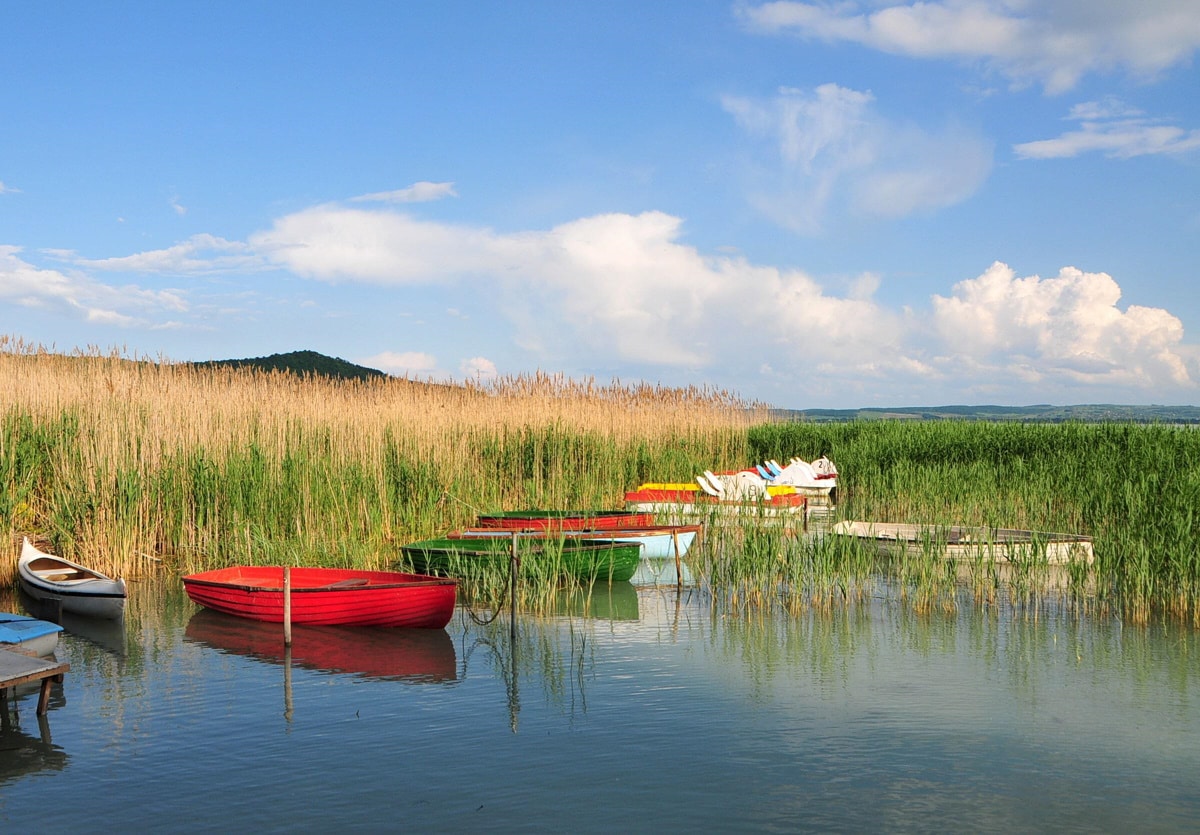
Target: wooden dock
{"x": 17, "y": 669}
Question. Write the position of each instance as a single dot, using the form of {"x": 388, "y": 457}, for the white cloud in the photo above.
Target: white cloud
{"x": 831, "y": 148}
{"x": 421, "y": 192}
{"x": 26, "y": 285}
{"x": 1051, "y": 42}
{"x": 1114, "y": 130}
{"x": 200, "y": 254}
{"x": 625, "y": 294}
{"x": 617, "y": 285}
{"x": 403, "y": 364}
{"x": 1066, "y": 328}
{"x": 479, "y": 369}
{"x": 331, "y": 242}
{"x": 6, "y": 189}
{"x": 625, "y": 288}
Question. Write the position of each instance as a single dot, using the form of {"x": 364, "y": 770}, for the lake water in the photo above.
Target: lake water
{"x": 648, "y": 711}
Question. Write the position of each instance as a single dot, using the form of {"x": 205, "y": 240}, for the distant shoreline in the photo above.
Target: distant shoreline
{"x": 1093, "y": 413}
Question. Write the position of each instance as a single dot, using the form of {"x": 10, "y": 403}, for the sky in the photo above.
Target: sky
{"x": 808, "y": 204}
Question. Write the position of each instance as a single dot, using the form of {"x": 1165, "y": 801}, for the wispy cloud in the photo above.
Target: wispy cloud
{"x": 404, "y": 363}
{"x": 1051, "y": 43}
{"x": 6, "y": 189}
{"x": 78, "y": 294}
{"x": 1111, "y": 128}
{"x": 200, "y": 254}
{"x": 829, "y": 150}
{"x": 422, "y": 192}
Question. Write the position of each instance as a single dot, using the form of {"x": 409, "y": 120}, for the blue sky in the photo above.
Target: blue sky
{"x": 812, "y": 204}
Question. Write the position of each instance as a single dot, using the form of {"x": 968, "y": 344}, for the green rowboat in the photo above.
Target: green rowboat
{"x": 587, "y": 560}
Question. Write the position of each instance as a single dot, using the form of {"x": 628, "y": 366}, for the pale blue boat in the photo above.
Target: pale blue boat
{"x": 28, "y": 635}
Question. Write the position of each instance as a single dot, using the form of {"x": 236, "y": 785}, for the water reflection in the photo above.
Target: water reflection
{"x": 858, "y": 717}
{"x": 415, "y": 656}
{"x": 552, "y": 644}
{"x": 23, "y": 754}
{"x": 599, "y": 601}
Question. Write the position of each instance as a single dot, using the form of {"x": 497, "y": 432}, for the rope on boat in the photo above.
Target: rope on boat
{"x": 513, "y": 564}
{"x": 446, "y": 494}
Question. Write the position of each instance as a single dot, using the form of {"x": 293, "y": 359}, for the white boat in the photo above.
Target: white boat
{"x": 80, "y": 590}
{"x": 28, "y": 636}
{"x": 1001, "y": 545}
{"x": 816, "y": 479}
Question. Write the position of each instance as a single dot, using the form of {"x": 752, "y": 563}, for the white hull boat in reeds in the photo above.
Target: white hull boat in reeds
{"x": 1001, "y": 545}
{"x": 55, "y": 581}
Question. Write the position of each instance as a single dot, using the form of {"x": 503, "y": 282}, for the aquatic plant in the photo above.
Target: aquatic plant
{"x": 134, "y": 465}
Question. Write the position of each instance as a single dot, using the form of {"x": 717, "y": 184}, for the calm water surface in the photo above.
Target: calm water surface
{"x": 646, "y": 711}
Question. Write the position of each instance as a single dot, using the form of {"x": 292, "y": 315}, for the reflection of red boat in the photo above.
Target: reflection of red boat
{"x": 417, "y": 655}
{"x": 328, "y": 596}
{"x": 565, "y": 520}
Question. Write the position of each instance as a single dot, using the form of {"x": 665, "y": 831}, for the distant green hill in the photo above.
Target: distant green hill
{"x": 1094, "y": 413}
{"x": 301, "y": 363}
{"x": 310, "y": 362}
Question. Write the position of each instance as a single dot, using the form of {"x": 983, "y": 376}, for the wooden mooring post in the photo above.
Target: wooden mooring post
{"x": 287, "y": 606}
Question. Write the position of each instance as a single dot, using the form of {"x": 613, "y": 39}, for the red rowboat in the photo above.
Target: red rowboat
{"x": 565, "y": 520}
{"x": 329, "y": 596}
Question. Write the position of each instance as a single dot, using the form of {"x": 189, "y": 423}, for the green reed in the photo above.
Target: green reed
{"x": 1134, "y": 488}
{"x": 132, "y": 467}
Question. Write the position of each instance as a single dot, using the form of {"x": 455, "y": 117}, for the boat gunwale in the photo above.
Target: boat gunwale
{"x": 915, "y": 532}
{"x": 330, "y": 587}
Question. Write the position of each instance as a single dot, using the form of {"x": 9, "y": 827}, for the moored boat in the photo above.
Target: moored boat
{"x": 656, "y": 541}
{"x": 957, "y": 542}
{"x": 532, "y": 520}
{"x": 328, "y": 596}
{"x": 27, "y": 635}
{"x": 587, "y": 560}
{"x": 682, "y": 504}
{"x": 53, "y": 580}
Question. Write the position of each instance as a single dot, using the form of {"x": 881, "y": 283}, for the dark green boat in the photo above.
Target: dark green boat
{"x": 587, "y": 560}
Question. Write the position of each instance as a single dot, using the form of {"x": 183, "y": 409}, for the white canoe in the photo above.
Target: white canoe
{"x": 80, "y": 590}
{"x": 1001, "y": 545}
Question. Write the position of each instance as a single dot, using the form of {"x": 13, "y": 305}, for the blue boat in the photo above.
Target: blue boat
{"x": 29, "y": 636}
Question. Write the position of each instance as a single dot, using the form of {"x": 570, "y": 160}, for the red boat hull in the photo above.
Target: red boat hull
{"x": 566, "y": 520}
{"x": 329, "y": 596}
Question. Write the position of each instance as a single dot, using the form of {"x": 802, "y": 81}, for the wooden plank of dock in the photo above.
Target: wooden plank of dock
{"x": 16, "y": 669}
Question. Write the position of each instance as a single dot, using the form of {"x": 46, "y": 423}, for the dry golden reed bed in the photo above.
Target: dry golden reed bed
{"x": 127, "y": 463}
